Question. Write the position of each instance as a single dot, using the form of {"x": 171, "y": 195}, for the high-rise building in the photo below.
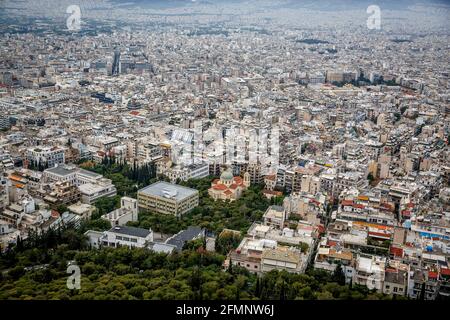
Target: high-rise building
{"x": 116, "y": 62}
{"x": 4, "y": 123}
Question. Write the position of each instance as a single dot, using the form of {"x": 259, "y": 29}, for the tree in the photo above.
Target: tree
{"x": 338, "y": 275}
{"x": 227, "y": 242}
{"x": 230, "y": 267}
{"x": 61, "y": 208}
{"x": 403, "y": 109}
{"x": 16, "y": 272}
{"x": 258, "y": 287}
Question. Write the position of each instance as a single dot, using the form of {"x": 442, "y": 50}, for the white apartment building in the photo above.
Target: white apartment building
{"x": 126, "y": 236}
{"x": 91, "y": 185}
{"x": 275, "y": 216}
{"x": 184, "y": 173}
{"x": 46, "y": 156}
{"x": 369, "y": 272}
{"x": 92, "y": 192}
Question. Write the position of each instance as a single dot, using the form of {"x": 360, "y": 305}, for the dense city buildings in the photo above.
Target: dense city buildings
{"x": 275, "y": 138}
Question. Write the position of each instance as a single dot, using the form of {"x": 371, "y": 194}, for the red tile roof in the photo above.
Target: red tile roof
{"x": 397, "y": 252}
{"x": 347, "y": 202}
{"x": 237, "y": 180}
{"x": 379, "y": 235}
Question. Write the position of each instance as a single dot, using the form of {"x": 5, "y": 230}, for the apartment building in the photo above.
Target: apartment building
{"x": 370, "y": 271}
{"x": 275, "y": 216}
{"x": 92, "y": 192}
{"x": 289, "y": 259}
{"x": 91, "y": 185}
{"x": 63, "y": 193}
{"x": 395, "y": 282}
{"x": 329, "y": 257}
{"x": 46, "y": 157}
{"x": 249, "y": 252}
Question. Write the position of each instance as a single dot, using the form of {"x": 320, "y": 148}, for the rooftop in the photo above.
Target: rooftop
{"x": 282, "y": 254}
{"x": 182, "y": 237}
{"x": 62, "y": 170}
{"x": 168, "y": 190}
{"x": 131, "y": 231}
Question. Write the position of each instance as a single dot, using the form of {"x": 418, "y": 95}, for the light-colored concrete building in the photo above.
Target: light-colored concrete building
{"x": 167, "y": 198}
{"x": 127, "y": 212}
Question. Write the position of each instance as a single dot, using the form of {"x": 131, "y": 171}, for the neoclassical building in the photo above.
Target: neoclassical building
{"x": 229, "y": 187}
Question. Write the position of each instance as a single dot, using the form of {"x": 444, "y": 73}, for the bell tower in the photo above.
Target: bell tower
{"x": 247, "y": 179}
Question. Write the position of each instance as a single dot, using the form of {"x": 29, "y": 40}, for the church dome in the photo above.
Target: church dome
{"x": 226, "y": 175}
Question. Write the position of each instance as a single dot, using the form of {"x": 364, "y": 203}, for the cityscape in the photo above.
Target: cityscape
{"x": 224, "y": 150}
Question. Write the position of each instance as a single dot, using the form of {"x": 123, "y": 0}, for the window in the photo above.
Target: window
{"x": 395, "y": 289}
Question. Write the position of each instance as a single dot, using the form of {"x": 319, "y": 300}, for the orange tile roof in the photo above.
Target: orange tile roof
{"x": 276, "y": 193}
{"x": 237, "y": 180}
{"x": 397, "y": 252}
{"x": 220, "y": 187}
{"x": 15, "y": 178}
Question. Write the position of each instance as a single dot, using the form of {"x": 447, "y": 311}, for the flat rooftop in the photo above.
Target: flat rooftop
{"x": 168, "y": 190}
{"x": 131, "y": 231}
{"x": 62, "y": 170}
{"x": 89, "y": 173}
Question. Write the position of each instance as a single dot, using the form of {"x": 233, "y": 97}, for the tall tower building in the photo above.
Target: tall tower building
{"x": 116, "y": 62}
